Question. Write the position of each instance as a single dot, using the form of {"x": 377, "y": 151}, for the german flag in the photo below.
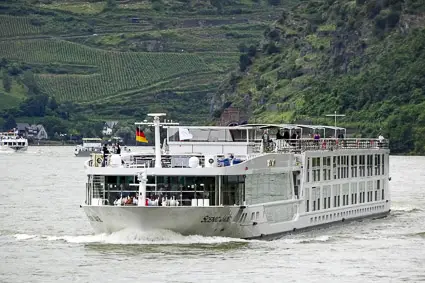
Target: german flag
{"x": 140, "y": 136}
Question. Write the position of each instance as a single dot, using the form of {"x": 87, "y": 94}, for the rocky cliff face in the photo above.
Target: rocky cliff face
{"x": 362, "y": 58}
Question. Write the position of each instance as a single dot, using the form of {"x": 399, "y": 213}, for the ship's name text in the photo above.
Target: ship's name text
{"x": 215, "y": 219}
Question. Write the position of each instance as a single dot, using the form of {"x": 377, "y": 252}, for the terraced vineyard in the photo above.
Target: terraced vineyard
{"x": 118, "y": 71}
{"x": 173, "y": 53}
{"x": 16, "y": 26}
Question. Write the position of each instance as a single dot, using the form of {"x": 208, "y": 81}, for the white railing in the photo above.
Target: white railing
{"x": 326, "y": 144}
{"x": 274, "y": 145}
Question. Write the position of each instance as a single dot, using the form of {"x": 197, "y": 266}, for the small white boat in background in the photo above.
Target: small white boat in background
{"x": 89, "y": 146}
{"x": 11, "y": 141}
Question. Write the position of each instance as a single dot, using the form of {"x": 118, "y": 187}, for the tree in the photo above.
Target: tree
{"x": 3, "y": 62}
{"x": 218, "y": 4}
{"x": 7, "y": 82}
{"x": 111, "y": 4}
{"x": 127, "y": 134}
{"x": 29, "y": 81}
{"x": 53, "y": 104}
{"x": 54, "y": 125}
{"x": 10, "y": 123}
{"x": 244, "y": 62}
{"x": 35, "y": 105}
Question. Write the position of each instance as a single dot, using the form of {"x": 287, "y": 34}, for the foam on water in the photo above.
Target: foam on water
{"x": 24, "y": 236}
{"x": 407, "y": 208}
{"x": 134, "y": 237}
{"x": 318, "y": 239}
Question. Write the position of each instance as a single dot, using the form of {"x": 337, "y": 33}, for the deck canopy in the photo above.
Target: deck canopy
{"x": 209, "y": 133}
{"x": 312, "y": 129}
{"x": 246, "y": 132}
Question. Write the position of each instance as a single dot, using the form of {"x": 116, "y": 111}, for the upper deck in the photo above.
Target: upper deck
{"x": 241, "y": 142}
{"x": 262, "y": 138}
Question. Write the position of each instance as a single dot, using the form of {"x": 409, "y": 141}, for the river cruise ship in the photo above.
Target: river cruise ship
{"x": 248, "y": 181}
{"x": 10, "y": 141}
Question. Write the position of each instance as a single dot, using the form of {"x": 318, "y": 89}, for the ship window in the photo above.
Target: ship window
{"x": 257, "y": 215}
{"x": 307, "y": 207}
{"x": 324, "y": 203}
{"x": 318, "y": 204}
{"x": 382, "y": 164}
{"x": 329, "y": 202}
{"x": 377, "y": 164}
{"x": 314, "y": 205}
{"x": 362, "y": 165}
{"x": 369, "y": 164}
{"x": 308, "y": 169}
{"x": 339, "y": 201}
{"x": 244, "y": 217}
{"x": 252, "y": 216}
{"x": 316, "y": 169}
{"x": 233, "y": 190}
{"x": 376, "y": 195}
{"x": 383, "y": 194}
{"x": 311, "y": 220}
{"x": 334, "y": 167}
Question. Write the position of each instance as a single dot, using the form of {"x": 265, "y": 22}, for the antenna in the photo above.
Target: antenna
{"x": 335, "y": 115}
{"x": 157, "y": 124}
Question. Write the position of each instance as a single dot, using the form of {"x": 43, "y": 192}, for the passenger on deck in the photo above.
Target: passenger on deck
{"x": 293, "y": 139}
{"x": 118, "y": 149}
{"x": 129, "y": 200}
{"x": 279, "y": 136}
{"x": 135, "y": 200}
{"x": 118, "y": 200}
{"x": 380, "y": 140}
{"x": 105, "y": 153}
{"x": 286, "y": 135}
{"x": 316, "y": 138}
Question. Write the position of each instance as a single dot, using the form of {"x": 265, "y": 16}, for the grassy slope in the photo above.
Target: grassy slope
{"x": 362, "y": 59}
{"x": 135, "y": 53}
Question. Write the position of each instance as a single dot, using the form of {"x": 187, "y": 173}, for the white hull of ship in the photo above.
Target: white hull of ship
{"x": 222, "y": 221}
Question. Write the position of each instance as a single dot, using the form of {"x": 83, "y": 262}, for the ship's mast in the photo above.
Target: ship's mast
{"x": 157, "y": 124}
{"x": 335, "y": 115}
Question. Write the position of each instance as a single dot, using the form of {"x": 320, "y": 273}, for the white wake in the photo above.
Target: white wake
{"x": 134, "y": 237}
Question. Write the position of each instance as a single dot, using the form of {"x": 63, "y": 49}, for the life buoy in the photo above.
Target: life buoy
{"x": 211, "y": 161}
{"x": 99, "y": 160}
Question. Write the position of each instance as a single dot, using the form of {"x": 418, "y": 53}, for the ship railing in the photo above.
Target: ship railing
{"x": 300, "y": 145}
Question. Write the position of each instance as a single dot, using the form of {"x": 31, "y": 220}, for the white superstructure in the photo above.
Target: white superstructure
{"x": 245, "y": 181}
{"x": 11, "y": 141}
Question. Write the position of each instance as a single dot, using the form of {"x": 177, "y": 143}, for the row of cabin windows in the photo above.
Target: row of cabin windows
{"x": 8, "y": 143}
{"x": 356, "y": 197}
{"x": 358, "y": 165}
{"x": 353, "y": 212}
